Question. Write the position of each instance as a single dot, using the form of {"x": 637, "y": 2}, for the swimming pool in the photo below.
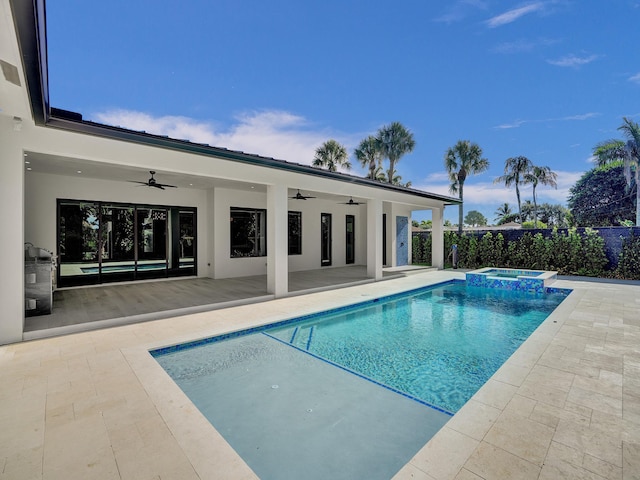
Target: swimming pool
{"x": 277, "y": 397}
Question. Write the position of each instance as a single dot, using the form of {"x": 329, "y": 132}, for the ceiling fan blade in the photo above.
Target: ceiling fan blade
{"x": 165, "y": 185}
{"x": 299, "y": 196}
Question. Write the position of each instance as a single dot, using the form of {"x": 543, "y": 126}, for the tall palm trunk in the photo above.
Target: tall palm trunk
{"x": 519, "y": 204}
{"x": 460, "y": 208}
{"x": 535, "y": 208}
{"x": 392, "y": 170}
{"x": 637, "y": 198}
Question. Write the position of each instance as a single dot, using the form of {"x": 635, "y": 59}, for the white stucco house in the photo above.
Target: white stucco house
{"x": 66, "y": 186}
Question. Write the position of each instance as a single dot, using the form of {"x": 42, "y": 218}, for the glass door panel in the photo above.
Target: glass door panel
{"x": 151, "y": 226}
{"x": 117, "y": 237}
{"x": 78, "y": 243}
{"x": 187, "y": 240}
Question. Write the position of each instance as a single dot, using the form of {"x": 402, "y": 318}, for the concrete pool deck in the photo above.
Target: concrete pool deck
{"x": 96, "y": 405}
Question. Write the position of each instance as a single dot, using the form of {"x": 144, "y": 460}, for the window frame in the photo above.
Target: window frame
{"x": 259, "y": 237}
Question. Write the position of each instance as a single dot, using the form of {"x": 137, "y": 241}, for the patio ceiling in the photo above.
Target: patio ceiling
{"x": 67, "y": 166}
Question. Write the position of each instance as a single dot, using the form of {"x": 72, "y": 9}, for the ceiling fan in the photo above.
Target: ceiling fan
{"x": 299, "y": 196}
{"x": 152, "y": 182}
{"x": 351, "y": 202}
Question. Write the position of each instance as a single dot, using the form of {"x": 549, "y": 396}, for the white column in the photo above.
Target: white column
{"x": 437, "y": 238}
{"x": 11, "y": 232}
{"x": 277, "y": 240}
{"x": 374, "y": 239}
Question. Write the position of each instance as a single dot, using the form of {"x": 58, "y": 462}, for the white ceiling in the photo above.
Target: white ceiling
{"x": 61, "y": 165}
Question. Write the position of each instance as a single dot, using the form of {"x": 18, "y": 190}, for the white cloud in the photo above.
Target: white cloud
{"x": 514, "y": 14}
{"x": 437, "y": 177}
{"x": 271, "y": 133}
{"x": 522, "y": 45}
{"x": 515, "y": 124}
{"x": 573, "y": 61}
{"x": 482, "y": 195}
{"x": 584, "y": 116}
{"x": 635, "y": 78}
{"x": 518, "y": 123}
{"x": 460, "y": 10}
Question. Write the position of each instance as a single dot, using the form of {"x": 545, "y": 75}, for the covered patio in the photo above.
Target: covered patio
{"x": 109, "y": 305}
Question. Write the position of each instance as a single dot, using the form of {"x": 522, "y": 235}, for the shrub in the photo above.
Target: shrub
{"x": 629, "y": 262}
{"x": 594, "y": 260}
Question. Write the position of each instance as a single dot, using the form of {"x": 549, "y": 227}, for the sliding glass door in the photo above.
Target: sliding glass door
{"x": 108, "y": 242}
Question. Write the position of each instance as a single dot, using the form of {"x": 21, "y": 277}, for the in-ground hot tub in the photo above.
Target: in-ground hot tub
{"x": 511, "y": 279}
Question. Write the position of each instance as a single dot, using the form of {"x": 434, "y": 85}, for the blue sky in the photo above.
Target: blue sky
{"x": 545, "y": 79}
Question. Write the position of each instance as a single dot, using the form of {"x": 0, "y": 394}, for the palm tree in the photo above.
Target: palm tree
{"x": 461, "y": 160}
{"x": 331, "y": 155}
{"x": 503, "y": 213}
{"x": 369, "y": 155}
{"x": 629, "y": 153}
{"x": 395, "y": 140}
{"x": 540, "y": 176}
{"x": 515, "y": 169}
{"x": 379, "y": 174}
{"x": 397, "y": 180}
{"x": 527, "y": 211}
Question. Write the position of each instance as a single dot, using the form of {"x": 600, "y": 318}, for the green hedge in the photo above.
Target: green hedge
{"x": 568, "y": 253}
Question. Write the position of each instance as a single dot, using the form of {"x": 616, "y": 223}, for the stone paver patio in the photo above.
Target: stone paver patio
{"x": 96, "y": 405}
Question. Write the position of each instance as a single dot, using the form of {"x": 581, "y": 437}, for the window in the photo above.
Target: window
{"x": 295, "y": 233}
{"x": 350, "y": 254}
{"x": 325, "y": 239}
{"x": 248, "y": 232}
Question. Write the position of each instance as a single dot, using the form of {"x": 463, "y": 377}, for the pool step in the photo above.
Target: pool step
{"x": 298, "y": 333}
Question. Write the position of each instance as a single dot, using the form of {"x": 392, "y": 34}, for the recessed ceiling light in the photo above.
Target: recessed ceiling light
{"x": 191, "y": 184}
{"x": 29, "y": 168}
{"x": 252, "y": 187}
{"x": 26, "y": 154}
{"x": 79, "y": 171}
{"x": 27, "y": 162}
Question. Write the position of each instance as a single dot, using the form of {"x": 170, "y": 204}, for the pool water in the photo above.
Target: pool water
{"x": 439, "y": 346}
{"x": 355, "y": 392}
